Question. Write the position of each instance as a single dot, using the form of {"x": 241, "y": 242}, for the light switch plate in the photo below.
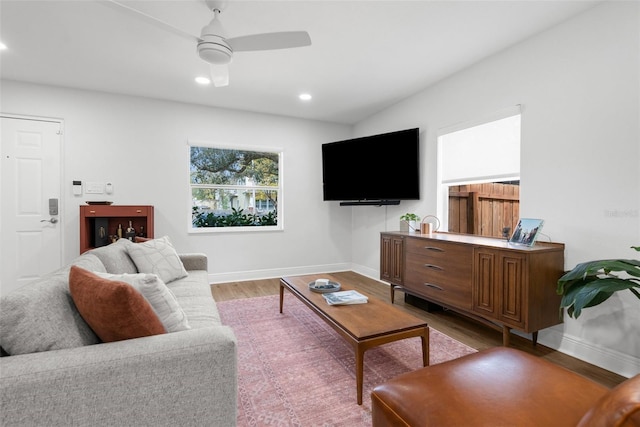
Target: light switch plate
{"x": 94, "y": 187}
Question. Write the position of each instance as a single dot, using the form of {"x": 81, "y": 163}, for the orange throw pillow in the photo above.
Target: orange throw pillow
{"x": 114, "y": 310}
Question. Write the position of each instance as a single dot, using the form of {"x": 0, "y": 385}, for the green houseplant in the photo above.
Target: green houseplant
{"x": 411, "y": 219}
{"x": 591, "y": 283}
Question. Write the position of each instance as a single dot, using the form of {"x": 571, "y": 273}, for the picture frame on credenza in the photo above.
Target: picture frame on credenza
{"x": 526, "y": 232}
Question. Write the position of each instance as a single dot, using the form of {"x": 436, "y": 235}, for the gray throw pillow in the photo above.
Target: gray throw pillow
{"x": 159, "y": 257}
{"x": 115, "y": 257}
{"x": 41, "y": 315}
{"x": 160, "y": 298}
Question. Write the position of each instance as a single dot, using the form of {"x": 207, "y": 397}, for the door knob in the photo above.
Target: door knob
{"x": 52, "y": 220}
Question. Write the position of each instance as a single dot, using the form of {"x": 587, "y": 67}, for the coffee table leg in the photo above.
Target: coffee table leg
{"x": 359, "y": 350}
{"x": 425, "y": 347}
{"x": 281, "y": 296}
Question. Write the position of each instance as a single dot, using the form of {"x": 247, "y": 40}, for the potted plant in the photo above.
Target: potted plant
{"x": 593, "y": 282}
{"x": 411, "y": 220}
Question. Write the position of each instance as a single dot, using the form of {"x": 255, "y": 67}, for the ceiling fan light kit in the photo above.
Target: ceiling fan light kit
{"x": 212, "y": 46}
{"x": 215, "y": 51}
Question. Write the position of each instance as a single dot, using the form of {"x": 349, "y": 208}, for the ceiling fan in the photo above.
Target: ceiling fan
{"x": 215, "y": 48}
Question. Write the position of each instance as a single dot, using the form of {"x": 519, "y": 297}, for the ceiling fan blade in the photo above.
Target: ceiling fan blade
{"x": 270, "y": 41}
{"x": 220, "y": 75}
{"x": 151, "y": 19}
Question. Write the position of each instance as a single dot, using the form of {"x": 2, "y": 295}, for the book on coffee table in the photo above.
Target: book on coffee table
{"x": 345, "y": 298}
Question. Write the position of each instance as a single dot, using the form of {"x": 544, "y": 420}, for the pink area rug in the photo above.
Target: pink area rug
{"x": 294, "y": 370}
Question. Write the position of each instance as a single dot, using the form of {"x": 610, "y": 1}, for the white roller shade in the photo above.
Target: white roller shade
{"x": 477, "y": 152}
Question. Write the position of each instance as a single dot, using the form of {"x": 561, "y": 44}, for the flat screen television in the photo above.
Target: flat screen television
{"x": 372, "y": 170}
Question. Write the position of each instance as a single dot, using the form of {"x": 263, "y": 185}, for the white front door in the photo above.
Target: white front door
{"x": 30, "y": 176}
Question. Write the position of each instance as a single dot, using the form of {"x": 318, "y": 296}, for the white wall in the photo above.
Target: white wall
{"x": 141, "y": 146}
{"x": 579, "y": 86}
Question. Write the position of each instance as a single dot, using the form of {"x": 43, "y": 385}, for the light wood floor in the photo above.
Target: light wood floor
{"x": 472, "y": 333}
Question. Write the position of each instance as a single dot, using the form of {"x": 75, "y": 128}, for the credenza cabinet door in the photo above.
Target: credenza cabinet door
{"x": 485, "y": 294}
{"x": 392, "y": 259}
{"x": 500, "y": 287}
{"x": 512, "y": 285}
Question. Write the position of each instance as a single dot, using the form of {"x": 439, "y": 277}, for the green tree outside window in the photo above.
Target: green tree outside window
{"x": 234, "y": 187}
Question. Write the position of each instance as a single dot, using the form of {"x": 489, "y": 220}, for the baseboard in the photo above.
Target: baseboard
{"x": 240, "y": 276}
{"x": 605, "y": 358}
{"x": 366, "y": 271}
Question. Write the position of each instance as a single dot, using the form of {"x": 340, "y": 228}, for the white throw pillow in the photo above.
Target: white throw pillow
{"x": 160, "y": 298}
{"x": 157, "y": 256}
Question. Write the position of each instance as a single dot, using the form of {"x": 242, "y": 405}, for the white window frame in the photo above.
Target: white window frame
{"x": 442, "y": 207}
{"x": 279, "y": 208}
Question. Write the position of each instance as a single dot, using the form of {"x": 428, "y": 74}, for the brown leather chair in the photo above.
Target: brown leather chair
{"x": 503, "y": 387}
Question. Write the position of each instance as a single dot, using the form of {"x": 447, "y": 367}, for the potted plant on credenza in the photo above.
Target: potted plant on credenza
{"x": 591, "y": 283}
{"x": 409, "y": 222}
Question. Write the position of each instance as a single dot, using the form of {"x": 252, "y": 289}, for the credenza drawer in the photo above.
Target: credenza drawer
{"x": 444, "y": 280}
{"x": 425, "y": 268}
{"x": 444, "y": 251}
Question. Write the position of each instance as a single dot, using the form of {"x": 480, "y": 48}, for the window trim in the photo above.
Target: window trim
{"x": 442, "y": 203}
{"x": 280, "y": 188}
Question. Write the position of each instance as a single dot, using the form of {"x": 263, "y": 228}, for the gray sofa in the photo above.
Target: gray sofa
{"x": 56, "y": 372}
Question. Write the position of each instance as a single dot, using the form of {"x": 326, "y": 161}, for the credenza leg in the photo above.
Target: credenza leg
{"x": 505, "y": 335}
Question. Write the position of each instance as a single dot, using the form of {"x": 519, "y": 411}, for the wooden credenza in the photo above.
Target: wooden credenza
{"x": 141, "y": 217}
{"x": 509, "y": 286}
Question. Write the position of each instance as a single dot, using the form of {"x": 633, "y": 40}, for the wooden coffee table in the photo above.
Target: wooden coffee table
{"x": 364, "y": 326}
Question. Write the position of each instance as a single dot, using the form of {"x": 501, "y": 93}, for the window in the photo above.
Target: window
{"x": 234, "y": 188}
{"x": 479, "y": 174}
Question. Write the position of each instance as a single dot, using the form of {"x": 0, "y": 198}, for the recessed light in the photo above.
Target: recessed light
{"x": 305, "y": 97}
{"x": 203, "y": 80}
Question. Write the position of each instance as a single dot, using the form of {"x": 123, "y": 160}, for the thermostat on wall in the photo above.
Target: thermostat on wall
{"x": 77, "y": 188}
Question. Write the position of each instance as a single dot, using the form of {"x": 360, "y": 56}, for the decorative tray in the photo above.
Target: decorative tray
{"x": 100, "y": 203}
{"x": 323, "y": 289}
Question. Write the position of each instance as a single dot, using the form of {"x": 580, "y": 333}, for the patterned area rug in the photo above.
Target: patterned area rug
{"x": 294, "y": 370}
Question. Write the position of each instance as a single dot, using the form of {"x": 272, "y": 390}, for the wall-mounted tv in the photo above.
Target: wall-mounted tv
{"x": 372, "y": 170}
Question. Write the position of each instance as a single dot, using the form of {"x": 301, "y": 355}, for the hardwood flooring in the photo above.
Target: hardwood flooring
{"x": 470, "y": 332}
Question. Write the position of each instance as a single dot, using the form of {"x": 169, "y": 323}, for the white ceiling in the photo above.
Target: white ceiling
{"x": 365, "y": 55}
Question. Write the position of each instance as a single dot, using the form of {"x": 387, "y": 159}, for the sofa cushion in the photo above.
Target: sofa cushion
{"x": 157, "y": 256}
{"x": 41, "y": 315}
{"x": 194, "y": 296}
{"x": 114, "y": 310}
{"x": 160, "y": 297}
{"x": 115, "y": 257}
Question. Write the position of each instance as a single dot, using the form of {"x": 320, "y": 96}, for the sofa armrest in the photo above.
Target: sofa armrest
{"x": 194, "y": 261}
{"x": 180, "y": 378}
